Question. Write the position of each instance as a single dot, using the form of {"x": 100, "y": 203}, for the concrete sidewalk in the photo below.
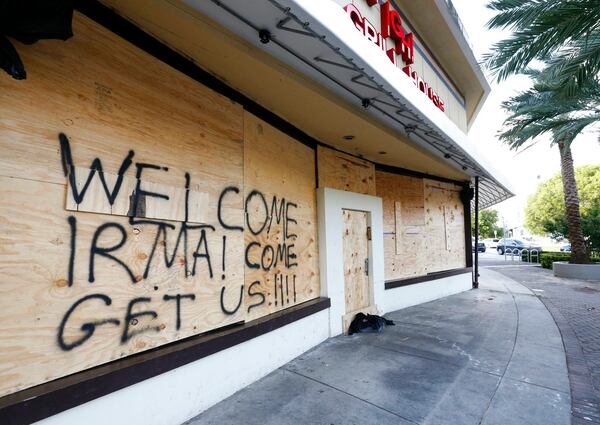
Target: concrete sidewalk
{"x": 487, "y": 356}
{"x": 575, "y": 306}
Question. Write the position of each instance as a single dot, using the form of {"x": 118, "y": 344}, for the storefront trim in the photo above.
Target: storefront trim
{"x": 426, "y": 278}
{"x": 45, "y": 400}
{"x": 405, "y": 172}
{"x": 330, "y": 205}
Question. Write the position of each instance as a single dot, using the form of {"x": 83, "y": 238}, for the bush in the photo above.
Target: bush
{"x": 547, "y": 258}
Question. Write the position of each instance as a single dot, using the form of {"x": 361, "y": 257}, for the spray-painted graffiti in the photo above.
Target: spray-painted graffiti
{"x": 276, "y": 255}
{"x": 186, "y": 233}
{"x": 191, "y": 248}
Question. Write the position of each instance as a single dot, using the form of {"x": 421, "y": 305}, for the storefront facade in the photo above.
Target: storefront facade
{"x": 196, "y": 192}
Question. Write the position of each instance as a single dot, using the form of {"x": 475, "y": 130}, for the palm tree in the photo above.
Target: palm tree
{"x": 543, "y": 109}
{"x": 565, "y": 36}
{"x": 563, "y": 33}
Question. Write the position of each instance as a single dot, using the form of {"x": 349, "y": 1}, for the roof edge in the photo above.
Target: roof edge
{"x": 452, "y": 19}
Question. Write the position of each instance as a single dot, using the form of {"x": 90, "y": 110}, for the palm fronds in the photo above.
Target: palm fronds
{"x": 543, "y": 109}
{"x": 541, "y": 28}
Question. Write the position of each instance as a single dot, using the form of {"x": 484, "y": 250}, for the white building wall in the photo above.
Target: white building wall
{"x": 423, "y": 292}
{"x": 180, "y": 394}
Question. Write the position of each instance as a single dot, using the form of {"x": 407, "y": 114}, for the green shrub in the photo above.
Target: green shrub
{"x": 547, "y": 258}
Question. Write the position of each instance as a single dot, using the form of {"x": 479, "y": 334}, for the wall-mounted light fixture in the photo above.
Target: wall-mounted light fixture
{"x": 264, "y": 36}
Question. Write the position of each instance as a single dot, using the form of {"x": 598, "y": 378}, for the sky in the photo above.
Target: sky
{"x": 527, "y": 169}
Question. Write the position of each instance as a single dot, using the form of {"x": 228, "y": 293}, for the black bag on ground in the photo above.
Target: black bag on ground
{"x": 368, "y": 323}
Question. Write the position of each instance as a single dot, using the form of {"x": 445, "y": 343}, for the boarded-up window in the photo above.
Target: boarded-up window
{"x": 341, "y": 171}
{"x": 423, "y": 225}
{"x": 281, "y": 230}
{"x": 122, "y": 221}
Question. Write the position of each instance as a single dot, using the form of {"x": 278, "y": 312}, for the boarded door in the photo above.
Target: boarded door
{"x": 356, "y": 269}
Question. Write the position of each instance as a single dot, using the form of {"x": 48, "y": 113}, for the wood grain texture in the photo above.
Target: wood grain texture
{"x": 110, "y": 101}
{"x": 430, "y": 236}
{"x": 279, "y": 175}
{"x": 340, "y": 171}
{"x": 398, "y": 227}
{"x": 109, "y": 98}
{"x": 442, "y": 227}
{"x": 128, "y": 204}
{"x": 357, "y": 291}
{"x": 404, "y": 244}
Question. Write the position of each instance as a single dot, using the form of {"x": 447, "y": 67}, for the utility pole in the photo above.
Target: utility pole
{"x": 476, "y": 265}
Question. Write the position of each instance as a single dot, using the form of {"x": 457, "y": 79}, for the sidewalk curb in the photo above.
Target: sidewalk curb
{"x": 585, "y": 406}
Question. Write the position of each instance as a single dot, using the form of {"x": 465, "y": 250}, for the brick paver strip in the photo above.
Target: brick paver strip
{"x": 575, "y": 307}
{"x": 585, "y": 404}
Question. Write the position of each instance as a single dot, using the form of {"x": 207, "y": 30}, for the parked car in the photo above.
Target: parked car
{"x": 515, "y": 246}
{"x": 491, "y": 242}
{"x": 566, "y": 248}
{"x": 480, "y": 245}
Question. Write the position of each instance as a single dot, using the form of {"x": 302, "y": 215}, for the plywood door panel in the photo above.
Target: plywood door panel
{"x": 79, "y": 289}
{"x": 281, "y": 215}
{"x": 356, "y": 253}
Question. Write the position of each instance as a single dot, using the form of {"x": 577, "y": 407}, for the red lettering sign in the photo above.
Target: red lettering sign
{"x": 391, "y": 27}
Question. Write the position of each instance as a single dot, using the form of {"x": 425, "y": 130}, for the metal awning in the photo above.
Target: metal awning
{"x": 317, "y": 38}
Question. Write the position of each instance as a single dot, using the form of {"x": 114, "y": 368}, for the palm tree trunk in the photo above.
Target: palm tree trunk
{"x": 579, "y": 254}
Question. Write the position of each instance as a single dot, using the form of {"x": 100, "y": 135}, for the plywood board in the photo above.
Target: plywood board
{"x": 403, "y": 222}
{"x": 357, "y": 292}
{"x": 341, "y": 171}
{"x": 90, "y": 190}
{"x": 398, "y": 225}
{"x": 444, "y": 215}
{"x": 281, "y": 215}
{"x": 447, "y": 236}
{"x": 423, "y": 225}
{"x": 83, "y": 288}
